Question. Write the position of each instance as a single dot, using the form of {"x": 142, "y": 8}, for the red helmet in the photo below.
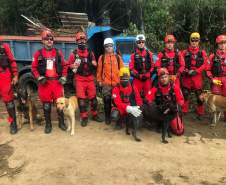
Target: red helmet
{"x": 221, "y": 38}
{"x": 163, "y": 71}
{"x": 47, "y": 33}
{"x": 170, "y": 38}
{"x": 80, "y": 35}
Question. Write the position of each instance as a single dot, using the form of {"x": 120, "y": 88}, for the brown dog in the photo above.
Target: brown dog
{"x": 27, "y": 107}
{"x": 69, "y": 106}
{"x": 216, "y": 104}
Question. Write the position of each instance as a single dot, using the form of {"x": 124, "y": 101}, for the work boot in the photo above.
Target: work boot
{"x": 84, "y": 121}
{"x": 118, "y": 125}
{"x": 159, "y": 128}
{"x": 61, "y": 120}
{"x": 13, "y": 128}
{"x": 47, "y": 115}
{"x": 200, "y": 117}
{"x": 96, "y": 118}
{"x": 107, "y": 109}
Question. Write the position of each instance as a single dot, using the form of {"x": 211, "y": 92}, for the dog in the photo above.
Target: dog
{"x": 216, "y": 104}
{"x": 162, "y": 115}
{"x": 69, "y": 106}
{"x": 27, "y": 107}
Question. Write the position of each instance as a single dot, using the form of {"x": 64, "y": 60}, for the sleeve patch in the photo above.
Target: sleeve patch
{"x": 114, "y": 96}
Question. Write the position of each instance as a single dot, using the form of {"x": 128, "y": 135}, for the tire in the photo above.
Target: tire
{"x": 27, "y": 80}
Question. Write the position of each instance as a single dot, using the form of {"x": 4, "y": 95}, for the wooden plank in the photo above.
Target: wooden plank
{"x": 72, "y": 13}
{"x": 81, "y": 21}
{"x": 73, "y": 18}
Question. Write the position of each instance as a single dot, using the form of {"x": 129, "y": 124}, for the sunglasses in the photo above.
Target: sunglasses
{"x": 163, "y": 73}
{"x": 51, "y": 39}
{"x": 194, "y": 40}
{"x": 108, "y": 45}
{"x": 140, "y": 42}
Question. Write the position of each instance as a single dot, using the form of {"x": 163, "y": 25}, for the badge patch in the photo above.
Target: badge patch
{"x": 114, "y": 96}
{"x": 208, "y": 62}
{"x": 149, "y": 92}
{"x": 157, "y": 58}
{"x": 33, "y": 59}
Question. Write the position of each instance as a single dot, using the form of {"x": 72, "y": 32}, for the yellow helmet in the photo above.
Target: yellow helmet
{"x": 195, "y": 35}
{"x": 124, "y": 72}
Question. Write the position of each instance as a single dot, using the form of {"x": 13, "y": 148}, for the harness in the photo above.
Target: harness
{"x": 4, "y": 59}
{"x": 198, "y": 57}
{"x": 85, "y": 60}
{"x": 160, "y": 98}
{"x": 43, "y": 60}
{"x": 166, "y": 61}
{"x": 142, "y": 62}
{"x": 218, "y": 63}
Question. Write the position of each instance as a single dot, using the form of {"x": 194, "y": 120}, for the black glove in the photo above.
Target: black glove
{"x": 135, "y": 75}
{"x": 194, "y": 73}
{"x": 145, "y": 101}
{"x": 42, "y": 79}
{"x": 144, "y": 78}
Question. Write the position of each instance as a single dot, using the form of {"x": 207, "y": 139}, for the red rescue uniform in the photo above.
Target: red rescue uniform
{"x": 216, "y": 70}
{"x": 176, "y": 123}
{"x": 141, "y": 67}
{"x": 122, "y": 98}
{"x": 52, "y": 89}
{"x": 195, "y": 59}
{"x": 172, "y": 61}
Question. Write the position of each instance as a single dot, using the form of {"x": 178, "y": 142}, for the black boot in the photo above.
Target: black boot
{"x": 10, "y": 106}
{"x": 61, "y": 120}
{"x": 107, "y": 109}
{"x": 93, "y": 103}
{"x": 118, "y": 125}
{"x": 84, "y": 121}
{"x": 47, "y": 115}
{"x": 96, "y": 118}
{"x": 200, "y": 117}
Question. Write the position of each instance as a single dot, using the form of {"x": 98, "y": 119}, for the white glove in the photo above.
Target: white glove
{"x": 62, "y": 80}
{"x": 190, "y": 72}
{"x": 134, "y": 110}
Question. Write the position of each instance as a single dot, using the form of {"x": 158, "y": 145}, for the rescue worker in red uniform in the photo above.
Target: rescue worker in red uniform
{"x": 216, "y": 68}
{"x": 195, "y": 64}
{"x": 125, "y": 98}
{"x": 8, "y": 67}
{"x": 82, "y": 62}
{"x": 50, "y": 69}
{"x": 167, "y": 91}
{"x": 141, "y": 66}
{"x": 171, "y": 60}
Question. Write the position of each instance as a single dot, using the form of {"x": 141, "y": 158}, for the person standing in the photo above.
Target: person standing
{"x": 216, "y": 68}
{"x": 141, "y": 66}
{"x": 171, "y": 60}
{"x": 8, "y": 67}
{"x": 82, "y": 62}
{"x": 50, "y": 69}
{"x": 108, "y": 67}
{"x": 195, "y": 64}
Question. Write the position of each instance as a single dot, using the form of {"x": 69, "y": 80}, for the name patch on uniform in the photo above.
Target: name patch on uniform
{"x": 114, "y": 96}
{"x": 49, "y": 65}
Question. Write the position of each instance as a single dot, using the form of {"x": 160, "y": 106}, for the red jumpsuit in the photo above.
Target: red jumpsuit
{"x": 52, "y": 89}
{"x": 122, "y": 99}
{"x": 216, "y": 70}
{"x": 84, "y": 80}
{"x": 167, "y": 59}
{"x": 194, "y": 62}
{"x": 141, "y": 65}
{"x": 5, "y": 78}
{"x": 176, "y": 123}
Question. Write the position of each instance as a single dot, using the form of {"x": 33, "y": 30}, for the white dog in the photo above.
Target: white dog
{"x": 69, "y": 106}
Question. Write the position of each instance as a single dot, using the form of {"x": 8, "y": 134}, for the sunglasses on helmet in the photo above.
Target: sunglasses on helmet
{"x": 163, "y": 73}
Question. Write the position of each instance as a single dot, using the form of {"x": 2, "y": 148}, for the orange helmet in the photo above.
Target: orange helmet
{"x": 163, "y": 71}
{"x": 47, "y": 33}
{"x": 80, "y": 35}
{"x": 221, "y": 38}
{"x": 170, "y": 38}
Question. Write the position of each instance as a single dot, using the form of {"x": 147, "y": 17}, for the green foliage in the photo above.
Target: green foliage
{"x": 131, "y": 31}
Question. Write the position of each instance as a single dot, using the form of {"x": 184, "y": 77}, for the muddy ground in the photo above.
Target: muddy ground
{"x": 98, "y": 154}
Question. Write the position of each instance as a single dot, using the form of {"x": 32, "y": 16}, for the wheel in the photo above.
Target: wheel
{"x": 28, "y": 80}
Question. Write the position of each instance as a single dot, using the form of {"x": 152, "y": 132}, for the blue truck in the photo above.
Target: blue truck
{"x": 24, "y": 47}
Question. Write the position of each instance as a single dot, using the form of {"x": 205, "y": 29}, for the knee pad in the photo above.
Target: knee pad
{"x": 185, "y": 92}
{"x": 82, "y": 105}
{"x": 46, "y": 106}
{"x": 94, "y": 101}
{"x": 115, "y": 115}
{"x": 107, "y": 98}
{"x": 10, "y": 105}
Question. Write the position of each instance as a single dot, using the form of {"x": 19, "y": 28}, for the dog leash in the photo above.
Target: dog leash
{"x": 11, "y": 89}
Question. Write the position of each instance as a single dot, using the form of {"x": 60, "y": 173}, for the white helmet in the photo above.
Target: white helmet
{"x": 140, "y": 37}
{"x": 108, "y": 41}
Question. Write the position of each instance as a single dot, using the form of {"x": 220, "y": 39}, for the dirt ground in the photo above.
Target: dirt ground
{"x": 98, "y": 154}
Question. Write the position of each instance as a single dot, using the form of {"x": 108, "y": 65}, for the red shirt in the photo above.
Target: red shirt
{"x": 194, "y": 53}
{"x": 71, "y": 60}
{"x": 51, "y": 54}
{"x": 171, "y": 54}
{"x": 143, "y": 54}
{"x": 126, "y": 91}
{"x": 165, "y": 90}
{"x": 13, "y": 66}
{"x": 210, "y": 63}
